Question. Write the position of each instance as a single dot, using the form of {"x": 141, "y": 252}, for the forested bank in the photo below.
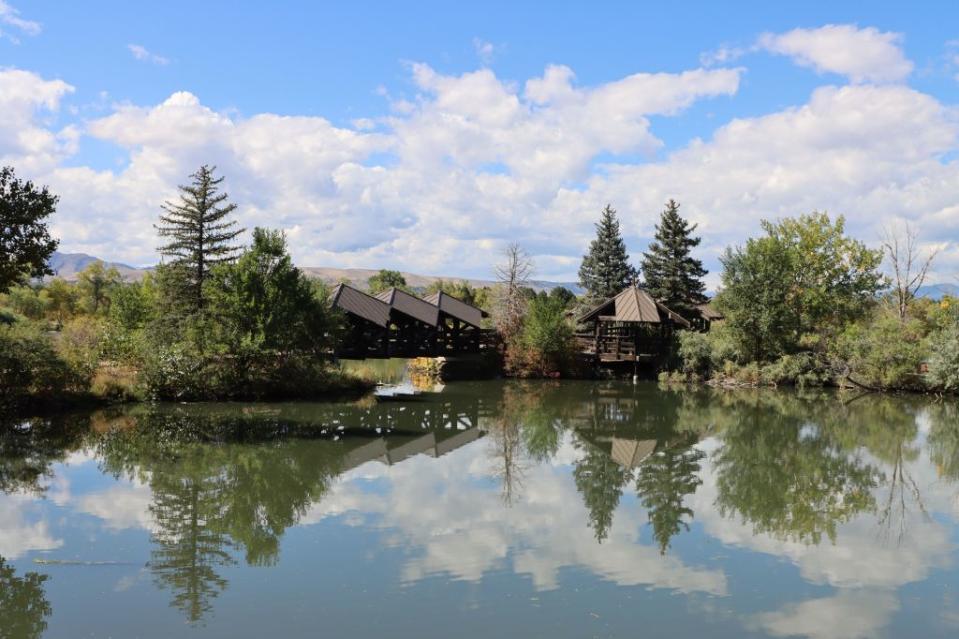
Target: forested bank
{"x": 803, "y": 303}
{"x": 213, "y": 321}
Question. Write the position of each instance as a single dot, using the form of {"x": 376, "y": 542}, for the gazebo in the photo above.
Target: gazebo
{"x": 631, "y": 327}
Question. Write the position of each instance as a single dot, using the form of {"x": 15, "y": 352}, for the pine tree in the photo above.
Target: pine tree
{"x": 606, "y": 270}
{"x": 671, "y": 275}
{"x": 200, "y": 234}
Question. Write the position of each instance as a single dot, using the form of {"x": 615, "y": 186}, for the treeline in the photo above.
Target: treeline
{"x": 214, "y": 321}
{"x": 803, "y": 303}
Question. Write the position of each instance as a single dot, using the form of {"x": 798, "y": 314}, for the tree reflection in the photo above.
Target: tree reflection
{"x": 29, "y": 447}
{"x": 211, "y": 495}
{"x": 786, "y": 475}
{"x": 23, "y": 604}
{"x": 600, "y": 481}
{"x": 663, "y": 483}
{"x": 943, "y": 438}
{"x": 190, "y": 545}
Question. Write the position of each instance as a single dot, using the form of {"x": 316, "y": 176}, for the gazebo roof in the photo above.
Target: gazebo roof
{"x": 635, "y": 305}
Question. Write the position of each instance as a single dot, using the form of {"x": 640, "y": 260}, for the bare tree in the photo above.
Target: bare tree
{"x": 909, "y": 266}
{"x": 513, "y": 275}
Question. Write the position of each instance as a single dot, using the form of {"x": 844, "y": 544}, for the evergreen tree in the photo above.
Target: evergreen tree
{"x": 671, "y": 275}
{"x": 606, "y": 270}
{"x": 199, "y": 232}
{"x": 25, "y": 242}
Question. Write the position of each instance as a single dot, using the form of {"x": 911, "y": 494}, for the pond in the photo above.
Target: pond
{"x": 487, "y": 509}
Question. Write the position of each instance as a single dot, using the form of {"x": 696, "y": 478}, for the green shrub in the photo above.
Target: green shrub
{"x": 695, "y": 353}
{"x": 944, "y": 359}
{"x": 31, "y": 368}
{"x": 802, "y": 370}
{"x": 883, "y": 353}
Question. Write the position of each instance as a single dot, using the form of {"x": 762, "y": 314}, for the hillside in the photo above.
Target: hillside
{"x": 69, "y": 265}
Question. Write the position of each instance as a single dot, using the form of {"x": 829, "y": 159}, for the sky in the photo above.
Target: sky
{"x": 426, "y": 138}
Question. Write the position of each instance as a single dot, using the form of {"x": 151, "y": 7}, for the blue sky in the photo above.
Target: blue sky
{"x": 411, "y": 137}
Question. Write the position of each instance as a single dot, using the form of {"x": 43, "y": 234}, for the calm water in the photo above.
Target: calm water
{"x": 487, "y": 510}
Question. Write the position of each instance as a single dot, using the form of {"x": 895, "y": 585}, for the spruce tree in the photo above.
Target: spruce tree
{"x": 200, "y": 234}
{"x": 671, "y": 275}
{"x": 606, "y": 270}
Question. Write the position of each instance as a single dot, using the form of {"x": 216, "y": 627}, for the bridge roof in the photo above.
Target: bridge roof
{"x": 457, "y": 308}
{"x": 358, "y": 303}
{"x": 411, "y": 305}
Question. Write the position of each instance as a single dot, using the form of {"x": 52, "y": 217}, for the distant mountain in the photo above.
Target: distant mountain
{"x": 359, "y": 277}
{"x": 938, "y": 291}
{"x": 69, "y": 265}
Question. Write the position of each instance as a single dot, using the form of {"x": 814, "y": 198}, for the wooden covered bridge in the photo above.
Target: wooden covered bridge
{"x": 399, "y": 324}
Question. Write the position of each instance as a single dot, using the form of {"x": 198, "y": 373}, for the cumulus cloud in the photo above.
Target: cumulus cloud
{"x": 863, "y": 55}
{"x": 27, "y": 141}
{"x": 10, "y": 17}
{"x": 471, "y": 161}
{"x": 141, "y": 53}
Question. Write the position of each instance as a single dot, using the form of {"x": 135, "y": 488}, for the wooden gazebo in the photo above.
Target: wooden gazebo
{"x": 631, "y": 327}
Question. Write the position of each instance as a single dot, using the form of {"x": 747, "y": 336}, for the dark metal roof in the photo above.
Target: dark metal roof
{"x": 411, "y": 305}
{"x": 358, "y": 303}
{"x": 633, "y": 304}
{"x": 709, "y": 313}
{"x": 457, "y": 308}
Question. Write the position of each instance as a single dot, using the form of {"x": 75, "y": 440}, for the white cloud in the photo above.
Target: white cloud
{"x": 19, "y": 533}
{"x": 723, "y": 55}
{"x": 467, "y": 532}
{"x": 27, "y": 141}
{"x": 141, "y": 53}
{"x": 863, "y": 55}
{"x": 10, "y": 17}
{"x": 121, "y": 506}
{"x": 847, "y": 615}
{"x": 484, "y": 50}
{"x": 471, "y": 161}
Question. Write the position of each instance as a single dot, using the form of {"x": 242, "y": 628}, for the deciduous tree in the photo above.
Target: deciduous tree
{"x": 25, "y": 242}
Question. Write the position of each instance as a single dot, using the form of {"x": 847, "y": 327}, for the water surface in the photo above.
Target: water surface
{"x": 547, "y": 509}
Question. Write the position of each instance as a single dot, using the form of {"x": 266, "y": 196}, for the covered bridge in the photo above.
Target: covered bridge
{"x": 396, "y": 323}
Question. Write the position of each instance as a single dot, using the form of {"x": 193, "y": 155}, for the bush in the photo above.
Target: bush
{"x": 695, "y": 352}
{"x": 545, "y": 344}
{"x": 944, "y": 359}
{"x": 802, "y": 370}
{"x": 179, "y": 373}
{"x": 884, "y": 353}
{"x": 81, "y": 342}
{"x": 31, "y": 369}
